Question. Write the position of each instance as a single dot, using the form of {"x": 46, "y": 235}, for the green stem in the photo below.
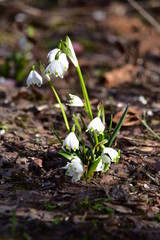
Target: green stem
{"x": 84, "y": 91}
{"x": 61, "y": 106}
{"x": 96, "y": 140}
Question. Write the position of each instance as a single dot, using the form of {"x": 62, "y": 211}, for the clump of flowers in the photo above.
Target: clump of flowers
{"x": 87, "y": 146}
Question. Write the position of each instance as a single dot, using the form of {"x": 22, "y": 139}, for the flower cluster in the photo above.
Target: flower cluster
{"x": 87, "y": 147}
{"x": 75, "y": 169}
{"x": 58, "y": 63}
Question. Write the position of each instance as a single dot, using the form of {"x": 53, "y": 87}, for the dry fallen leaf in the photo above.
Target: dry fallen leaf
{"x": 124, "y": 25}
{"x": 38, "y": 161}
{"x": 119, "y": 76}
{"x": 142, "y": 148}
{"x": 133, "y": 117}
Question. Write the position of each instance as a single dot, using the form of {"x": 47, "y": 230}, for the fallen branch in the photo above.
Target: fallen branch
{"x": 145, "y": 14}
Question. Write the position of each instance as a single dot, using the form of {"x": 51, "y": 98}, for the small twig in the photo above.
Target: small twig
{"x": 152, "y": 178}
{"x": 145, "y": 14}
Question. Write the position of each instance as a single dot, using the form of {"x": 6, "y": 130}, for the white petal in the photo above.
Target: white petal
{"x": 52, "y": 54}
{"x": 100, "y": 166}
{"x": 77, "y": 167}
{"x": 48, "y": 69}
{"x": 57, "y": 69}
{"x": 75, "y": 144}
{"x": 76, "y": 177}
{"x": 70, "y": 172}
{"x": 72, "y": 54}
{"x": 75, "y": 101}
{"x": 106, "y": 159}
{"x": 64, "y": 62}
{"x": 111, "y": 152}
{"x": 76, "y": 159}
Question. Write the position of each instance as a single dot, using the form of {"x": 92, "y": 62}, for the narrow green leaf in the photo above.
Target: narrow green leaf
{"x": 93, "y": 167}
{"x": 106, "y": 167}
{"x": 55, "y": 132}
{"x": 92, "y": 154}
{"x": 77, "y": 123}
{"x": 87, "y": 133}
{"x": 110, "y": 125}
{"x": 100, "y": 144}
{"x": 65, "y": 154}
{"x": 118, "y": 126}
{"x": 101, "y": 112}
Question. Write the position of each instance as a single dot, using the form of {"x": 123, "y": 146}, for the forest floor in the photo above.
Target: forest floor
{"x": 119, "y": 53}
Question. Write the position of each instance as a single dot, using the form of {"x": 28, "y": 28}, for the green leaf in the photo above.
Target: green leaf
{"x": 92, "y": 154}
{"x": 65, "y": 154}
{"x": 55, "y": 132}
{"x": 93, "y": 167}
{"x": 75, "y": 119}
{"x": 110, "y": 125}
{"x": 106, "y": 167}
{"x": 4, "y": 127}
{"x": 87, "y": 133}
{"x": 31, "y": 31}
{"x": 101, "y": 112}
{"x": 118, "y": 126}
{"x": 100, "y": 144}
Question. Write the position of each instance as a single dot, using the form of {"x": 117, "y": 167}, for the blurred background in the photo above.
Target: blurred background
{"x": 117, "y": 45}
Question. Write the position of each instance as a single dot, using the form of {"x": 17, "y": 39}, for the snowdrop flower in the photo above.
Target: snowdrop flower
{"x": 58, "y": 65}
{"x": 71, "y": 53}
{"x": 34, "y": 78}
{"x": 75, "y": 101}
{"x": 108, "y": 155}
{"x": 71, "y": 142}
{"x": 96, "y": 125}
{"x": 75, "y": 169}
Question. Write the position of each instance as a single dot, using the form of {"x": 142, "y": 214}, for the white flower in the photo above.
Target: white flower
{"x": 96, "y": 125}
{"x": 75, "y": 101}
{"x": 75, "y": 169}
{"x": 71, "y": 141}
{"x": 34, "y": 78}
{"x": 71, "y": 53}
{"x": 57, "y": 65}
{"x": 108, "y": 155}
